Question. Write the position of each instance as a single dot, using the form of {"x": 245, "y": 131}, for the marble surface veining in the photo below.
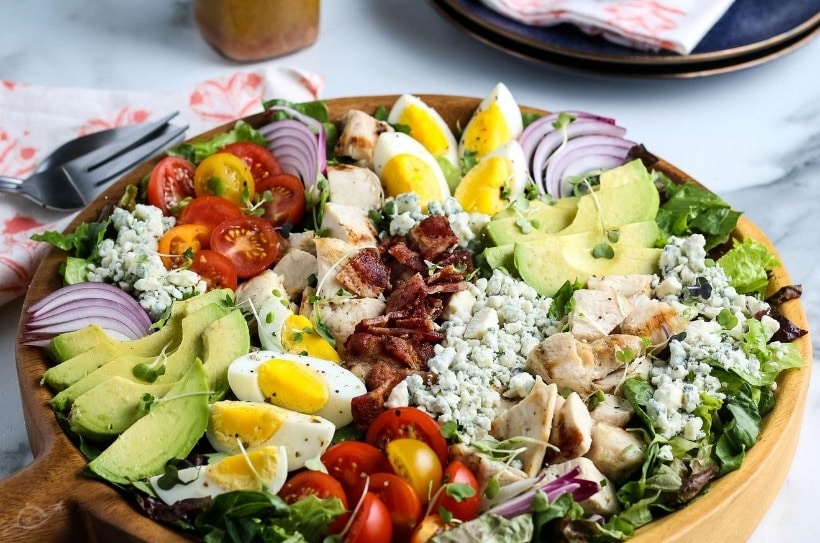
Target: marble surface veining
{"x": 753, "y": 136}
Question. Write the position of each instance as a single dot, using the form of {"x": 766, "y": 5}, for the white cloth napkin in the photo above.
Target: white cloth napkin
{"x": 34, "y": 120}
{"x": 651, "y": 25}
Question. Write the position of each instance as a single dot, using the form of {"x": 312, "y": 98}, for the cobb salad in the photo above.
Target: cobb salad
{"x": 373, "y": 328}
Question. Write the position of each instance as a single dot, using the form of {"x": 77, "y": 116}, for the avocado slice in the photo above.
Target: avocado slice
{"x": 175, "y": 363}
{"x": 546, "y": 266}
{"x": 66, "y": 346}
{"x": 112, "y": 406}
{"x": 548, "y": 218}
{"x": 171, "y": 429}
{"x": 167, "y": 338}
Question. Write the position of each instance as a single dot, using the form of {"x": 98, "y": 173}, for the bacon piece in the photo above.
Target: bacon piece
{"x": 434, "y": 236}
{"x": 380, "y": 381}
{"x": 365, "y": 275}
{"x": 406, "y": 256}
{"x": 407, "y": 294}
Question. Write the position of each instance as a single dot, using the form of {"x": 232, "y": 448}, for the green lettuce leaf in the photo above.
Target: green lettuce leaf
{"x": 746, "y": 265}
{"x": 197, "y": 151}
{"x": 692, "y": 209}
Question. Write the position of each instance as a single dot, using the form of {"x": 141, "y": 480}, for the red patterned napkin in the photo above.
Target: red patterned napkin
{"x": 36, "y": 119}
{"x": 652, "y": 25}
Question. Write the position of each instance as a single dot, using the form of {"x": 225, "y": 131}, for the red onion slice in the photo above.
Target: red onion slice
{"x": 539, "y": 128}
{"x": 299, "y": 144}
{"x": 79, "y": 305}
{"x": 581, "y": 156}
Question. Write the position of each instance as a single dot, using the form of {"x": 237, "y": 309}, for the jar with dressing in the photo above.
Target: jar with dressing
{"x": 252, "y": 30}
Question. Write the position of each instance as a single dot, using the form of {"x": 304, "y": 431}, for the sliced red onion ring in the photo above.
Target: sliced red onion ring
{"x": 536, "y": 130}
{"x": 79, "y": 305}
{"x": 581, "y": 156}
{"x": 299, "y": 144}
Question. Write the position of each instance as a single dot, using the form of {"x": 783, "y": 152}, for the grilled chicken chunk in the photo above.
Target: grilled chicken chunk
{"x": 655, "y": 320}
{"x": 614, "y": 410}
{"x": 571, "y": 433}
{"x": 354, "y": 186}
{"x": 357, "y": 140}
{"x": 341, "y": 315}
{"x": 615, "y": 451}
{"x": 329, "y": 254}
{"x": 294, "y": 268}
{"x": 531, "y": 417}
{"x": 604, "y": 502}
{"x": 577, "y": 365}
{"x": 600, "y": 308}
{"x": 348, "y": 223}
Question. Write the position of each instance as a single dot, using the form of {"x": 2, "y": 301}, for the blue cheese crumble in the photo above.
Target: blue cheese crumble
{"x": 490, "y": 329}
{"x": 682, "y": 381}
{"x": 131, "y": 261}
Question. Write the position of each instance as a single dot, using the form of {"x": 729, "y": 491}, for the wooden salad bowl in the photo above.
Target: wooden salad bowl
{"x": 52, "y": 500}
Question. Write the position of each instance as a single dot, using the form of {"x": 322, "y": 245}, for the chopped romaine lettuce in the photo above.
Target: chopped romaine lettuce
{"x": 746, "y": 265}
{"x": 693, "y": 209}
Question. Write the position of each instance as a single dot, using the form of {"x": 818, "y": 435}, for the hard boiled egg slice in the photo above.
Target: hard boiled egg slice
{"x": 404, "y": 165}
{"x": 301, "y": 383}
{"x": 282, "y": 330}
{"x": 496, "y": 120}
{"x": 256, "y": 425}
{"x": 426, "y": 126}
{"x": 495, "y": 181}
{"x": 266, "y": 467}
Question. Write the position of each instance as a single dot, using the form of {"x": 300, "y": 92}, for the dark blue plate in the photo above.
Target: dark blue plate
{"x": 747, "y": 28}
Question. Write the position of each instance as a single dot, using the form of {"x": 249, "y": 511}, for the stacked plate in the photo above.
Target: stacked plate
{"x": 750, "y": 32}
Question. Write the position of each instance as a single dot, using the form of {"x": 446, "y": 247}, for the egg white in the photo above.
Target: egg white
{"x": 198, "y": 482}
{"x": 303, "y": 436}
{"x": 342, "y": 384}
{"x": 408, "y": 100}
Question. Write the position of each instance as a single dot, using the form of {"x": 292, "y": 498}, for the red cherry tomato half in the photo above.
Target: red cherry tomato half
{"x": 399, "y": 497}
{"x": 262, "y": 163}
{"x": 463, "y": 508}
{"x": 407, "y": 422}
{"x": 209, "y": 211}
{"x": 315, "y": 483}
{"x": 179, "y": 240}
{"x": 215, "y": 269}
{"x": 372, "y": 522}
{"x": 351, "y": 461}
{"x": 171, "y": 181}
{"x": 287, "y": 199}
{"x": 251, "y": 243}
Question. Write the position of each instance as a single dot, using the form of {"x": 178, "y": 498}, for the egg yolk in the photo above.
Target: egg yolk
{"x": 293, "y": 386}
{"x": 486, "y": 131}
{"x": 482, "y": 188}
{"x": 424, "y": 129}
{"x": 408, "y": 173}
{"x": 300, "y": 337}
{"x": 251, "y": 424}
{"x": 249, "y": 471}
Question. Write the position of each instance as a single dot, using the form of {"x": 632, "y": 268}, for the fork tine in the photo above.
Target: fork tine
{"x": 105, "y": 153}
{"x": 170, "y": 135}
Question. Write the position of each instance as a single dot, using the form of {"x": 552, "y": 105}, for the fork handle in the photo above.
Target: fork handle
{"x": 10, "y": 183}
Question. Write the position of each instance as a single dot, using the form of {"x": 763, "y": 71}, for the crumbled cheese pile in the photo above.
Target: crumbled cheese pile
{"x": 491, "y": 328}
{"x": 131, "y": 261}
{"x": 682, "y": 381}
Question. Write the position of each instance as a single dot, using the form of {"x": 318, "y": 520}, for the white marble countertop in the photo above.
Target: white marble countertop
{"x": 752, "y": 135}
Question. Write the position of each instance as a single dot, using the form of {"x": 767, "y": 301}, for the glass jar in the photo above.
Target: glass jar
{"x": 251, "y": 30}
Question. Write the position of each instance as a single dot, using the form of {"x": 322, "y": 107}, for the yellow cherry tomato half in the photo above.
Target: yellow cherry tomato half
{"x": 224, "y": 175}
{"x": 416, "y": 462}
{"x": 178, "y": 245}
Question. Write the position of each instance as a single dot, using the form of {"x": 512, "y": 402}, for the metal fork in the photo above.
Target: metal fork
{"x": 75, "y": 184}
